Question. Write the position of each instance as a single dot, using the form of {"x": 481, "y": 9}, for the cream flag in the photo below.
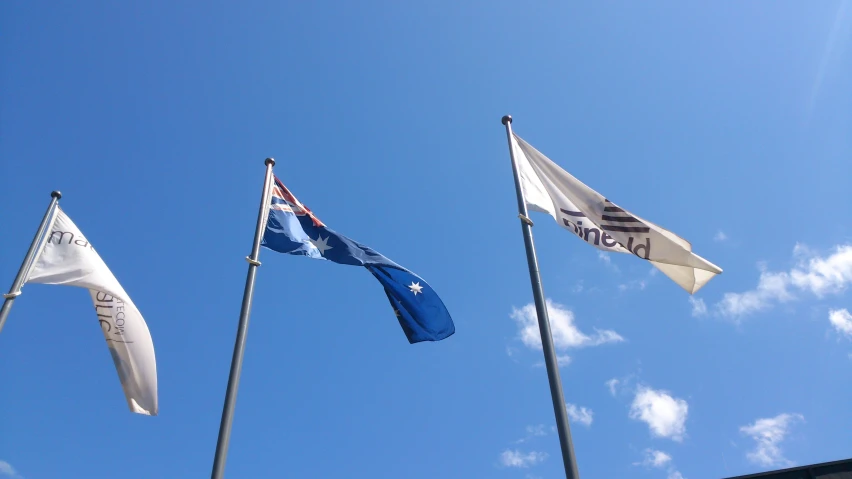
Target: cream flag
{"x": 603, "y": 224}
{"x": 67, "y": 257}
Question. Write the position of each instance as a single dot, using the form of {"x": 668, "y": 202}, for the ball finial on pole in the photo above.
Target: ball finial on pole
{"x": 269, "y": 161}
{"x": 507, "y": 119}
{"x": 55, "y": 194}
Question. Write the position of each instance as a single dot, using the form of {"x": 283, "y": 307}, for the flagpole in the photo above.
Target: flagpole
{"x": 240, "y": 344}
{"x": 20, "y": 278}
{"x": 568, "y": 459}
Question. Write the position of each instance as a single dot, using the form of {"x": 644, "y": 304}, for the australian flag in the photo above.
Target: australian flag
{"x": 292, "y": 228}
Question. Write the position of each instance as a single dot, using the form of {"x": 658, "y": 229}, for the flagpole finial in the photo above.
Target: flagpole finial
{"x": 269, "y": 161}
{"x": 55, "y": 194}
{"x": 507, "y": 119}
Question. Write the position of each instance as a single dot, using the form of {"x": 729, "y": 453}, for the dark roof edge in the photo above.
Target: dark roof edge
{"x": 791, "y": 469}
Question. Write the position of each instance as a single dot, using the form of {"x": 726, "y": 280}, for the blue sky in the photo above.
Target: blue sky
{"x": 725, "y": 123}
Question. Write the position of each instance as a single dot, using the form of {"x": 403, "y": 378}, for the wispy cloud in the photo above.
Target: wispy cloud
{"x": 768, "y": 433}
{"x": 819, "y": 276}
{"x": 654, "y": 458}
{"x": 720, "y": 236}
{"x": 699, "y": 309}
{"x": 6, "y": 470}
{"x": 516, "y": 458}
{"x": 675, "y": 475}
{"x": 565, "y": 332}
{"x": 607, "y": 260}
{"x": 665, "y": 415}
{"x": 580, "y": 415}
{"x": 838, "y": 34}
{"x": 619, "y": 385}
{"x": 612, "y": 384}
{"x": 842, "y": 321}
{"x": 638, "y": 284}
{"x": 533, "y": 432}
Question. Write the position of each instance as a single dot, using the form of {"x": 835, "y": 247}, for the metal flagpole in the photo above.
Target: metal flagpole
{"x": 240, "y": 344}
{"x": 15, "y": 290}
{"x": 559, "y": 410}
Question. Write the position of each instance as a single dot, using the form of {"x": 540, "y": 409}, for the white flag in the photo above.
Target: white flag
{"x": 601, "y": 223}
{"x": 68, "y": 258}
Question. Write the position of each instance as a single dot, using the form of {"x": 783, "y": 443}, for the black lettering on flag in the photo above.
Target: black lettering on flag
{"x": 572, "y": 213}
{"x": 626, "y": 229}
{"x": 596, "y": 232}
{"x": 60, "y": 235}
{"x": 608, "y": 241}
{"x": 620, "y": 219}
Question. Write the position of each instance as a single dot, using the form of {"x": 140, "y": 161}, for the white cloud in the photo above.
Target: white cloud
{"x": 842, "y": 321}
{"x": 698, "y": 307}
{"x": 768, "y": 434}
{"x": 580, "y": 415}
{"x": 515, "y": 458}
{"x": 823, "y": 276}
{"x": 562, "y": 327}
{"x": 772, "y": 287}
{"x": 6, "y": 470}
{"x": 812, "y": 274}
{"x": 660, "y": 460}
{"x": 720, "y": 236}
{"x": 654, "y": 458}
{"x": 612, "y": 384}
{"x": 664, "y": 414}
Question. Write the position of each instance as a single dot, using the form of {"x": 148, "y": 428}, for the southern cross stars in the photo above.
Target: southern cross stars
{"x": 415, "y": 288}
{"x": 321, "y": 244}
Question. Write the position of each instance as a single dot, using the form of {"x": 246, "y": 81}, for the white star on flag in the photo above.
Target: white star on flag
{"x": 415, "y": 288}
{"x": 321, "y": 244}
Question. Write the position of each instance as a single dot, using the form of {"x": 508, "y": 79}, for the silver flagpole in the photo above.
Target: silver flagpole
{"x": 559, "y": 410}
{"x": 15, "y": 290}
{"x": 240, "y": 344}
